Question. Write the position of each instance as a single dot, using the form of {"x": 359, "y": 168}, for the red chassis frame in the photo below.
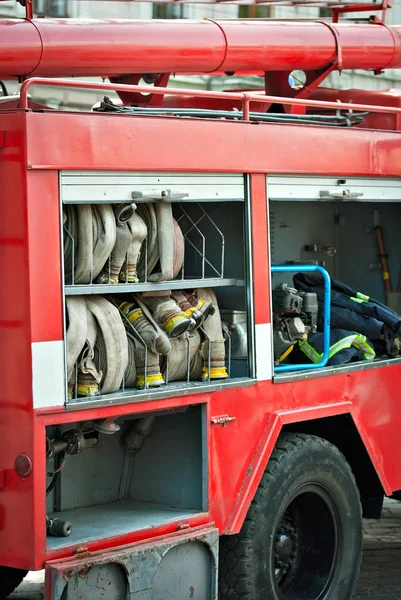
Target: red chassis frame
{"x": 33, "y": 148}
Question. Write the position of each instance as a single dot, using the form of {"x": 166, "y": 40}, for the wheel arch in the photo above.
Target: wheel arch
{"x": 335, "y": 423}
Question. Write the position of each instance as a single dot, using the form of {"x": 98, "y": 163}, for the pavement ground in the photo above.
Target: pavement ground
{"x": 381, "y": 567}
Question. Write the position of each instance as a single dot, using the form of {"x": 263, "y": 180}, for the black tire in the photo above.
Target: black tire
{"x": 9, "y": 580}
{"x": 396, "y": 496}
{"x": 302, "y": 537}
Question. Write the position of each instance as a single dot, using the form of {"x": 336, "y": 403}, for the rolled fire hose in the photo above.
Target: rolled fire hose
{"x": 93, "y": 321}
{"x": 167, "y": 314}
{"x": 213, "y": 348}
{"x": 93, "y": 229}
{"x": 139, "y": 232}
{"x": 142, "y": 322}
{"x": 192, "y": 306}
{"x": 148, "y": 215}
{"x": 83, "y": 244}
{"x": 130, "y": 373}
{"x": 76, "y": 334}
{"x": 138, "y": 357}
{"x": 112, "y": 268}
{"x": 165, "y": 242}
{"x": 89, "y": 377}
{"x": 179, "y": 361}
{"x": 114, "y": 358}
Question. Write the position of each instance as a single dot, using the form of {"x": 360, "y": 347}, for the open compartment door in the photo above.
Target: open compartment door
{"x": 178, "y": 566}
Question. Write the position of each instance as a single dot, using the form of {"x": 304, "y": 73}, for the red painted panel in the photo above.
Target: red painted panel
{"x": 238, "y": 451}
{"x": 45, "y": 256}
{"x": 152, "y": 144}
{"x": 16, "y": 509}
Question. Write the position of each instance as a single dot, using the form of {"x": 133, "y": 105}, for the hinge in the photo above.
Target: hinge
{"x": 222, "y": 420}
{"x": 82, "y": 552}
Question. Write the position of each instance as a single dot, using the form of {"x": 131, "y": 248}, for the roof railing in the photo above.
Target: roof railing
{"x": 246, "y": 98}
{"x": 337, "y": 6}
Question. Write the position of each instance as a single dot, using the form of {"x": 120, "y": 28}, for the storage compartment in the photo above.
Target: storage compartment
{"x": 146, "y": 284}
{"x": 341, "y": 237}
{"x": 109, "y": 478}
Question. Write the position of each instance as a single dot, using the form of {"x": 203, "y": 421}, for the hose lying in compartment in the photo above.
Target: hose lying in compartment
{"x": 165, "y": 242}
{"x": 131, "y": 232}
{"x": 213, "y": 348}
{"x": 112, "y": 336}
{"x": 76, "y": 335}
{"x": 88, "y": 241}
{"x": 144, "y": 366}
{"x": 147, "y": 342}
{"x": 141, "y": 320}
{"x": 167, "y": 313}
{"x": 112, "y": 268}
{"x": 193, "y": 307}
{"x": 89, "y": 377}
{"x": 95, "y": 336}
{"x": 111, "y": 345}
{"x": 185, "y": 360}
{"x": 105, "y": 242}
{"x": 139, "y": 232}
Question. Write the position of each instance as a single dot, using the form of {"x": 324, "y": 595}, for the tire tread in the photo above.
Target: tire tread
{"x": 231, "y": 585}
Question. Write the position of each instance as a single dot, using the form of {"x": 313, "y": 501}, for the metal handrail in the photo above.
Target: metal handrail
{"x": 244, "y": 97}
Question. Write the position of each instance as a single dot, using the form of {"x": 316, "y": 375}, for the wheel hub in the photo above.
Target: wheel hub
{"x": 285, "y": 548}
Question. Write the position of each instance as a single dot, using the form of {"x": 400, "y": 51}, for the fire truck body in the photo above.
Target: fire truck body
{"x": 146, "y": 515}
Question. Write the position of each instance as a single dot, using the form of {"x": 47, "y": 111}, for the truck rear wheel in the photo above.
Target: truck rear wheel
{"x": 9, "y": 580}
{"x": 302, "y": 537}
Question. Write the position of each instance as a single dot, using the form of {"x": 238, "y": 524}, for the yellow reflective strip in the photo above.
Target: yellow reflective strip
{"x": 344, "y": 343}
{"x": 386, "y": 275}
{"x": 310, "y": 352}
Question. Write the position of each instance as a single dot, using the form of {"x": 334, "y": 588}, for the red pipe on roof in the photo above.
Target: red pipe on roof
{"x": 67, "y": 47}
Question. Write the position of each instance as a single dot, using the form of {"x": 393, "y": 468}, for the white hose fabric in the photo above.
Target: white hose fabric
{"x": 105, "y": 242}
{"x": 138, "y": 229}
{"x": 151, "y": 337}
{"x": 106, "y": 331}
{"x": 89, "y": 242}
{"x": 109, "y": 344}
{"x": 213, "y": 348}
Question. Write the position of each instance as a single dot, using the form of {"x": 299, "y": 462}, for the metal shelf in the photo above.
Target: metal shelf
{"x": 174, "y": 389}
{"x": 176, "y": 284}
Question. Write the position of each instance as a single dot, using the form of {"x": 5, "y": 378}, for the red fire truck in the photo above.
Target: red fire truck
{"x": 171, "y": 428}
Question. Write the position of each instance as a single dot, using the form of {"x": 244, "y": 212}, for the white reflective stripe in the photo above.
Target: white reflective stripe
{"x": 48, "y": 374}
{"x": 264, "y": 358}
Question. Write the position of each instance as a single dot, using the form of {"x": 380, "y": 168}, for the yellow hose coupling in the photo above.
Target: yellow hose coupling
{"x": 151, "y": 381}
{"x": 88, "y": 389}
{"x": 215, "y": 373}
